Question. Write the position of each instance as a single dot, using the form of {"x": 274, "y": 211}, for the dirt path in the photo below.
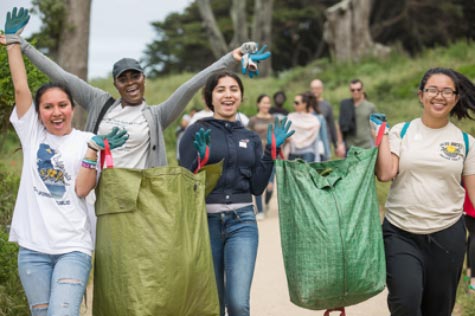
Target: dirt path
{"x": 269, "y": 294}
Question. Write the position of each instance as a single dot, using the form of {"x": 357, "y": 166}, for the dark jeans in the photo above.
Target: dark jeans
{"x": 423, "y": 271}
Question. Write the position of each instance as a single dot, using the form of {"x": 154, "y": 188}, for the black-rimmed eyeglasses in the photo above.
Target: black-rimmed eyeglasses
{"x": 446, "y": 92}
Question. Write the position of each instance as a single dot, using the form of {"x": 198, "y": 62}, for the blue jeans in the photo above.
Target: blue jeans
{"x": 308, "y": 157}
{"x": 54, "y": 284}
{"x": 234, "y": 240}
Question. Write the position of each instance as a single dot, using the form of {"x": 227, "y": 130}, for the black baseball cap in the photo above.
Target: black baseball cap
{"x": 125, "y": 64}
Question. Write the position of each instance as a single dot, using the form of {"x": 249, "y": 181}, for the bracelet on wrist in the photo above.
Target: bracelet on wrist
{"x": 89, "y": 164}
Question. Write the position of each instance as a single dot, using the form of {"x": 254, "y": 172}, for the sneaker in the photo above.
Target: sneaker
{"x": 260, "y": 216}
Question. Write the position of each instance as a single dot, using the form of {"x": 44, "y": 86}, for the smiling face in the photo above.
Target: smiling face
{"x": 56, "y": 111}
{"x": 264, "y": 105}
{"x": 437, "y": 108}
{"x": 357, "y": 92}
{"x": 131, "y": 87}
{"x": 226, "y": 99}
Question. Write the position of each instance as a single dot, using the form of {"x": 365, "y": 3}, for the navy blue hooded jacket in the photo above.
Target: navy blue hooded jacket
{"x": 246, "y": 170}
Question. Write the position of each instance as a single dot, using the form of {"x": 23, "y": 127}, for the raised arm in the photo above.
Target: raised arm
{"x": 15, "y": 22}
{"x": 172, "y": 108}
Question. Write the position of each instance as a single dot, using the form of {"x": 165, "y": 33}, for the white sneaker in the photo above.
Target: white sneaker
{"x": 260, "y": 216}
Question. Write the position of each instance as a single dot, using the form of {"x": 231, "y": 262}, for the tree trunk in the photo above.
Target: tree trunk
{"x": 347, "y": 31}
{"x": 238, "y": 15}
{"x": 216, "y": 38}
{"x": 262, "y": 31}
{"x": 74, "y": 44}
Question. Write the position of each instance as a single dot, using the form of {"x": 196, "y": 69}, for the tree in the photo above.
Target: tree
{"x": 411, "y": 22}
{"x": 65, "y": 34}
{"x": 262, "y": 26}
{"x": 347, "y": 31}
{"x": 262, "y": 29}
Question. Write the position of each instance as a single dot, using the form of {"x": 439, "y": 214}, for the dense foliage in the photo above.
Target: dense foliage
{"x": 297, "y": 31}
{"x": 35, "y": 80}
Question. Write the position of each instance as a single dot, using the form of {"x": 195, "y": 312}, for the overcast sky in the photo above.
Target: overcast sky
{"x": 119, "y": 28}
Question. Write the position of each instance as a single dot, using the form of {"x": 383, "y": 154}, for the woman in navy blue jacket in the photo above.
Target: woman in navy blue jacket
{"x": 246, "y": 171}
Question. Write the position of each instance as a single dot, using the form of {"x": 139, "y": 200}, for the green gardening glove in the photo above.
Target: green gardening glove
{"x": 14, "y": 25}
{"x": 116, "y": 138}
{"x": 201, "y": 141}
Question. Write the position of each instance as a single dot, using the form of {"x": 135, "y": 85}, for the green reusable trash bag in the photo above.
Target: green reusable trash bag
{"x": 153, "y": 254}
{"x": 330, "y": 230}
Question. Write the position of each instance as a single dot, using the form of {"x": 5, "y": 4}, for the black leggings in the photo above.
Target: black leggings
{"x": 470, "y": 224}
{"x": 423, "y": 271}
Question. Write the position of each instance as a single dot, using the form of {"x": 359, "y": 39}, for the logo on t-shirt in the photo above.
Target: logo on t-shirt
{"x": 51, "y": 170}
{"x": 451, "y": 150}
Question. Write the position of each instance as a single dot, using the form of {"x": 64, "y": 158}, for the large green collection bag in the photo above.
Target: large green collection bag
{"x": 330, "y": 230}
{"x": 153, "y": 254}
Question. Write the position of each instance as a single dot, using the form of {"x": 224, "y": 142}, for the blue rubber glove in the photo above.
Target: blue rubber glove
{"x": 281, "y": 131}
{"x": 116, "y": 138}
{"x": 250, "y": 61}
{"x": 14, "y": 25}
{"x": 376, "y": 120}
{"x": 201, "y": 141}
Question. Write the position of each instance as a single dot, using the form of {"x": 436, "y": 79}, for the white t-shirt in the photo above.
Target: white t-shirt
{"x": 133, "y": 154}
{"x": 426, "y": 196}
{"x": 49, "y": 217}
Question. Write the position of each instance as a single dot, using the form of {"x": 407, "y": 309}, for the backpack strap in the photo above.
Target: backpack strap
{"x": 404, "y": 129}
{"x": 104, "y": 109}
{"x": 465, "y": 140}
{"x": 465, "y": 137}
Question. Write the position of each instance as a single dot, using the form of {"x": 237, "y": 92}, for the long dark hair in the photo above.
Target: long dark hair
{"x": 212, "y": 82}
{"x": 51, "y": 85}
{"x": 465, "y": 90}
{"x": 310, "y": 100}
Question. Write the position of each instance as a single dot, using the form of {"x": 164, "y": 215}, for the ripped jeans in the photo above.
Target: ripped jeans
{"x": 54, "y": 284}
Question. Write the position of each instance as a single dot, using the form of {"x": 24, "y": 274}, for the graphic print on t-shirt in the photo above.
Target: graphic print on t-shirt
{"x": 451, "y": 150}
{"x": 51, "y": 171}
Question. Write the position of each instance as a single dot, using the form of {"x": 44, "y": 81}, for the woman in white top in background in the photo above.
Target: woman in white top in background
{"x": 304, "y": 143}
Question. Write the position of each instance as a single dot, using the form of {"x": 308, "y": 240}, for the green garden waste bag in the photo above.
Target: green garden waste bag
{"x": 153, "y": 253}
{"x": 330, "y": 230}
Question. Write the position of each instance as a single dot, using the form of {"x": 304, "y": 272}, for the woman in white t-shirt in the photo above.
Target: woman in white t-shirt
{"x": 426, "y": 160}
{"x": 50, "y": 221}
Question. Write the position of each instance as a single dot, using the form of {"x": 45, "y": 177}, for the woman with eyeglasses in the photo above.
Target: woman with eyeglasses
{"x": 304, "y": 143}
{"x": 427, "y": 159}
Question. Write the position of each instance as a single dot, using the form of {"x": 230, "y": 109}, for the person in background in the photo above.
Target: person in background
{"x": 145, "y": 123}
{"x": 259, "y": 124}
{"x": 469, "y": 212}
{"x": 323, "y": 145}
{"x": 423, "y": 228}
{"x": 50, "y": 221}
{"x": 354, "y": 117}
{"x": 304, "y": 143}
{"x": 246, "y": 172}
{"x": 278, "y": 110}
{"x": 180, "y": 129}
{"x": 316, "y": 86}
